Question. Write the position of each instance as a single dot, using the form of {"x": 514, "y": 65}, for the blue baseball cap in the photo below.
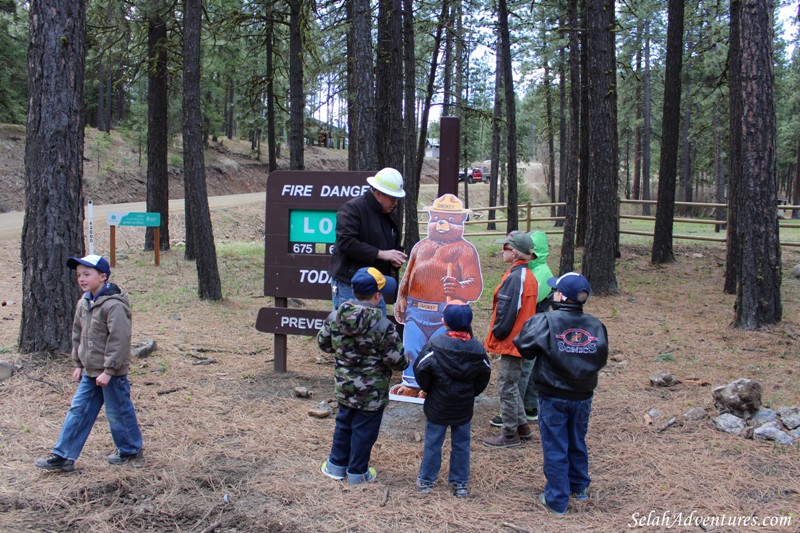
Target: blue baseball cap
{"x": 570, "y": 284}
{"x": 457, "y": 315}
{"x": 94, "y": 261}
{"x": 370, "y": 280}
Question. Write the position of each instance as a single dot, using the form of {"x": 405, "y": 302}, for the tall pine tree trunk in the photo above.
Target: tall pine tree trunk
{"x": 648, "y": 116}
{"x": 53, "y": 227}
{"x": 362, "y": 153}
{"x": 198, "y": 217}
{"x": 297, "y": 102}
{"x": 411, "y": 218}
{"x": 735, "y": 148}
{"x": 157, "y": 127}
{"x": 758, "y": 294}
{"x": 668, "y": 169}
{"x": 601, "y": 215}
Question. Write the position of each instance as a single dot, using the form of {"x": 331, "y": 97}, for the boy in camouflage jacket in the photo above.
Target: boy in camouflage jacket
{"x": 367, "y": 348}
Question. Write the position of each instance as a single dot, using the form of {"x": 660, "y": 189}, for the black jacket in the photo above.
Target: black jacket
{"x": 452, "y": 372}
{"x": 570, "y": 348}
{"x": 362, "y": 230}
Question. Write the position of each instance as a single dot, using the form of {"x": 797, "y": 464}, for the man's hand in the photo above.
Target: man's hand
{"x": 76, "y": 374}
{"x": 103, "y": 379}
{"x": 395, "y": 257}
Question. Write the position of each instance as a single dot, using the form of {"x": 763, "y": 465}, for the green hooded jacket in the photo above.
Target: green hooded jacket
{"x": 538, "y": 265}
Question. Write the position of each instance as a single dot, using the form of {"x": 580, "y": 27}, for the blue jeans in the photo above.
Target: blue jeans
{"x": 420, "y": 326}
{"x": 562, "y": 426}
{"x": 355, "y": 433}
{"x": 86, "y": 404}
{"x": 342, "y": 292}
{"x": 527, "y": 389}
{"x": 432, "y": 454}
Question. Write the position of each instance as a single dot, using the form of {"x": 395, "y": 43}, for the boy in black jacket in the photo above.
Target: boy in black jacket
{"x": 452, "y": 369}
{"x": 570, "y": 349}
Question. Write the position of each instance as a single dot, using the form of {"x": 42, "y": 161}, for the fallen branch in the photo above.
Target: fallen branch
{"x": 169, "y": 391}
{"x": 516, "y": 528}
{"x": 59, "y": 388}
{"x": 667, "y": 424}
{"x": 385, "y": 496}
{"x": 212, "y": 527}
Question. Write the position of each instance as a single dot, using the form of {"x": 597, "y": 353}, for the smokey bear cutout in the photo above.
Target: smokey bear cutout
{"x": 442, "y": 267}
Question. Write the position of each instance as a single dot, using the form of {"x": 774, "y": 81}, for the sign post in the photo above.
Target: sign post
{"x": 90, "y": 218}
{"x": 133, "y": 219}
{"x": 299, "y": 237}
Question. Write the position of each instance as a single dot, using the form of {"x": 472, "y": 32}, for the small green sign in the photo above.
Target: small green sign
{"x": 134, "y": 219}
{"x": 312, "y": 226}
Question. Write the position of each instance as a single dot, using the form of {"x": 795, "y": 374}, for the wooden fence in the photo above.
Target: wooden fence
{"x": 527, "y": 220}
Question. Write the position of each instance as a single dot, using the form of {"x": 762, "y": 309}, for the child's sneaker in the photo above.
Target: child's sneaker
{"x": 497, "y": 421}
{"x": 582, "y": 495}
{"x": 543, "y": 501}
{"x": 55, "y": 462}
{"x": 117, "y": 458}
{"x": 423, "y": 487}
{"x": 332, "y": 471}
{"x": 532, "y": 414}
{"x": 460, "y": 491}
{"x": 366, "y": 477}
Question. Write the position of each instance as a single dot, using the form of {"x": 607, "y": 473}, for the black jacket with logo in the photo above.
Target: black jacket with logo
{"x": 362, "y": 230}
{"x": 452, "y": 372}
{"x": 570, "y": 348}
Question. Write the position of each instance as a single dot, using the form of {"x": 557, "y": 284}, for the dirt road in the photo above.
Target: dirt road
{"x": 11, "y": 222}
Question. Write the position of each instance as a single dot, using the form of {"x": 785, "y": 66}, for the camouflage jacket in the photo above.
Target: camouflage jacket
{"x": 367, "y": 348}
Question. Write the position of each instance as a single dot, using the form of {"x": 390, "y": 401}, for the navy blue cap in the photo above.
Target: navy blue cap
{"x": 457, "y": 315}
{"x": 370, "y": 280}
{"x": 570, "y": 284}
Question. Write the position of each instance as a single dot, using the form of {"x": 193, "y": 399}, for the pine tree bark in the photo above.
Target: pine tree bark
{"x": 389, "y": 86}
{"x": 735, "y": 148}
{"x": 297, "y": 99}
{"x": 511, "y": 117}
{"x": 157, "y": 127}
{"x": 601, "y": 214}
{"x": 648, "y": 117}
{"x": 668, "y": 168}
{"x": 53, "y": 227}
{"x": 567, "y": 263}
{"x": 758, "y": 294}
{"x": 198, "y": 217}
{"x": 272, "y": 148}
{"x": 411, "y": 218}
{"x": 361, "y": 92}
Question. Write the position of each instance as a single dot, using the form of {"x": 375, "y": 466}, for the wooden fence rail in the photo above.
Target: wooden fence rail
{"x": 477, "y": 218}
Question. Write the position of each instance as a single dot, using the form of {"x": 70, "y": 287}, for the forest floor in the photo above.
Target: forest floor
{"x": 229, "y": 448}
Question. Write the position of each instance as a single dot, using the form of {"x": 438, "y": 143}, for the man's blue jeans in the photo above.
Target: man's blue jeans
{"x": 342, "y": 292}
{"x": 86, "y": 404}
{"x": 355, "y": 433}
{"x": 562, "y": 426}
{"x": 432, "y": 454}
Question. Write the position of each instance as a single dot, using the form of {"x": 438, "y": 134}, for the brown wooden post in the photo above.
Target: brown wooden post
{"x": 157, "y": 245}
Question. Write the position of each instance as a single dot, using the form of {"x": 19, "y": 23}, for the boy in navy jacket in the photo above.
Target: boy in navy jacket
{"x": 452, "y": 369}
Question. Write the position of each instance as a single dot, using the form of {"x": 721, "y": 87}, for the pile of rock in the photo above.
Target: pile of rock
{"x": 741, "y": 413}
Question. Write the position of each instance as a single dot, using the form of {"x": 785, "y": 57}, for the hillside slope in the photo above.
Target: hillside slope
{"x": 115, "y": 167}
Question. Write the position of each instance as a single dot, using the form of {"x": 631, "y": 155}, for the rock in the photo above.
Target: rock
{"x": 6, "y": 370}
{"x": 695, "y": 413}
{"x": 663, "y": 379}
{"x": 728, "y": 423}
{"x": 763, "y": 416}
{"x": 741, "y": 397}
{"x": 796, "y": 271}
{"x": 795, "y": 434}
{"x": 771, "y": 431}
{"x": 790, "y": 416}
{"x": 654, "y": 413}
{"x": 143, "y": 348}
{"x": 319, "y": 413}
{"x": 302, "y": 392}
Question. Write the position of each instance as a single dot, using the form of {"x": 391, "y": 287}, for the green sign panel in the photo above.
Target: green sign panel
{"x": 134, "y": 219}
{"x": 312, "y": 226}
